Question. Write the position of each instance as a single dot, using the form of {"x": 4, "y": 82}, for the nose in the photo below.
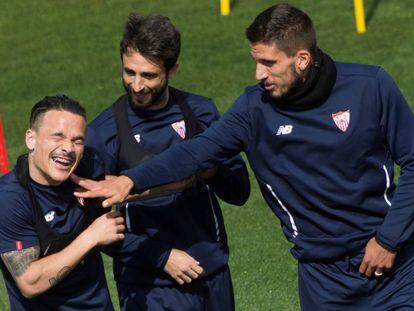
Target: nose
{"x": 68, "y": 146}
{"x": 261, "y": 72}
{"x": 137, "y": 85}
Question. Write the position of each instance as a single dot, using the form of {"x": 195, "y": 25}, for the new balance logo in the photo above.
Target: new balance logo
{"x": 284, "y": 129}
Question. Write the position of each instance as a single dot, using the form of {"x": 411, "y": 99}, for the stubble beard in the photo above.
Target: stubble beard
{"x": 293, "y": 88}
{"x": 156, "y": 96}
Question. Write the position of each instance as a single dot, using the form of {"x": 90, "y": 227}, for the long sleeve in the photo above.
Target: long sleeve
{"x": 223, "y": 140}
{"x": 232, "y": 186}
{"x": 140, "y": 251}
{"x": 397, "y": 126}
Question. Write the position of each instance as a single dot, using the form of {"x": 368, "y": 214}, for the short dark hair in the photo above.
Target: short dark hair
{"x": 55, "y": 102}
{"x": 286, "y": 26}
{"x": 154, "y": 37}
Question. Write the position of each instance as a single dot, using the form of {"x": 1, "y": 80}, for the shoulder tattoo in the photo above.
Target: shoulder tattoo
{"x": 17, "y": 262}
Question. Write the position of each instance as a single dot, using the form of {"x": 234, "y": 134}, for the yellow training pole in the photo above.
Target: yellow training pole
{"x": 359, "y": 15}
{"x": 225, "y": 7}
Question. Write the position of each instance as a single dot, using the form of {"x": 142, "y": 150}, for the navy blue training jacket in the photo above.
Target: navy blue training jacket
{"x": 326, "y": 172}
{"x": 190, "y": 220}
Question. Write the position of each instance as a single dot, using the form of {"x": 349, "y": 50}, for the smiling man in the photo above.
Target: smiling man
{"x": 47, "y": 238}
{"x": 178, "y": 242}
{"x": 322, "y": 138}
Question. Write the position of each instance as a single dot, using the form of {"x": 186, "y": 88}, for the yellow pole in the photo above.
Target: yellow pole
{"x": 359, "y": 15}
{"x": 225, "y": 7}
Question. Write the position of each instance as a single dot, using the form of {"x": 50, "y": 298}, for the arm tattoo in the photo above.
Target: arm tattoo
{"x": 60, "y": 275}
{"x": 17, "y": 262}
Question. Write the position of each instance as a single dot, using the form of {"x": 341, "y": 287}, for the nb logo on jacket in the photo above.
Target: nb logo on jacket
{"x": 284, "y": 130}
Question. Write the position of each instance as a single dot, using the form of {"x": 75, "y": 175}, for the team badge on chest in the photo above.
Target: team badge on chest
{"x": 341, "y": 119}
{"x": 179, "y": 127}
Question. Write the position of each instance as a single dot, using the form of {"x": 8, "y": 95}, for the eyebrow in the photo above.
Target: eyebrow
{"x": 60, "y": 134}
{"x": 128, "y": 69}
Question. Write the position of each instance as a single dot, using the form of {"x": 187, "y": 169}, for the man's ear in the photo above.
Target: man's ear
{"x": 303, "y": 60}
{"x": 30, "y": 139}
{"x": 173, "y": 71}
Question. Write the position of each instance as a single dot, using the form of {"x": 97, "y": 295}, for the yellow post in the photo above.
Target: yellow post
{"x": 225, "y": 7}
{"x": 359, "y": 15}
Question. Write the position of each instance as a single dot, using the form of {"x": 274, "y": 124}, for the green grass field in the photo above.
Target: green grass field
{"x": 71, "y": 47}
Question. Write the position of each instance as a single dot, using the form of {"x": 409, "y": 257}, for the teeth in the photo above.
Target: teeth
{"x": 62, "y": 160}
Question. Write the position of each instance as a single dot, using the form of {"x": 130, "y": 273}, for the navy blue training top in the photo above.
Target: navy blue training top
{"x": 326, "y": 172}
{"x": 190, "y": 220}
{"x": 85, "y": 287}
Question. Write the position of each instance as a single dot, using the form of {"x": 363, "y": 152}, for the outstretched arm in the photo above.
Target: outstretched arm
{"x": 224, "y": 139}
{"x": 120, "y": 189}
{"x": 34, "y": 276}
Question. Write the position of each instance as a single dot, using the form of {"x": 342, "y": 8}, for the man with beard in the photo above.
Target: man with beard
{"x": 175, "y": 253}
{"x": 47, "y": 239}
{"x": 322, "y": 138}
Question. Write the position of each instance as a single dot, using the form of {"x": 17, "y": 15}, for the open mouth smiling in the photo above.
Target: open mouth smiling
{"x": 66, "y": 162}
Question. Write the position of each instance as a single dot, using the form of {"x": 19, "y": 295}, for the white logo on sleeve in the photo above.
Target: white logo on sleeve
{"x": 137, "y": 138}
{"x": 284, "y": 130}
{"x": 50, "y": 216}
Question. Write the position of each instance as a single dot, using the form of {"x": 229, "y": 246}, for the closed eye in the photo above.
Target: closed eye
{"x": 267, "y": 63}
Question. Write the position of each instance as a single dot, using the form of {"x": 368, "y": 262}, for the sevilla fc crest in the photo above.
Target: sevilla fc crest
{"x": 341, "y": 119}
{"x": 179, "y": 127}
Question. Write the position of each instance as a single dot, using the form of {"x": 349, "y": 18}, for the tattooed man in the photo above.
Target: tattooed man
{"x": 47, "y": 238}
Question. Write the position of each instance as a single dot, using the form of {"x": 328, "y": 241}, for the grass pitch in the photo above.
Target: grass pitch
{"x": 71, "y": 47}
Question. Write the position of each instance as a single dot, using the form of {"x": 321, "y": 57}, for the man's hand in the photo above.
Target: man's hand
{"x": 107, "y": 228}
{"x": 182, "y": 267}
{"x": 113, "y": 189}
{"x": 376, "y": 259}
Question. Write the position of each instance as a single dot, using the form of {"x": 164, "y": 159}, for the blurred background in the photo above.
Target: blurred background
{"x": 72, "y": 47}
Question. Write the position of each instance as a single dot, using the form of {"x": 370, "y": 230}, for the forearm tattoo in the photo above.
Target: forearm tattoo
{"x": 60, "y": 275}
{"x": 17, "y": 262}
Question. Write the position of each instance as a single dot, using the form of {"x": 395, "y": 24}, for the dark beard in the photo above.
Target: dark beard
{"x": 316, "y": 87}
{"x": 297, "y": 84}
{"x": 155, "y": 96}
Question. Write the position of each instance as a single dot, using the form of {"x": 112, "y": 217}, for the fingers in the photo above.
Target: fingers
{"x": 363, "y": 267}
{"x": 366, "y": 268}
{"x": 378, "y": 273}
{"x": 184, "y": 279}
{"x": 182, "y": 267}
{"x": 119, "y": 220}
{"x": 120, "y": 236}
{"x": 111, "y": 201}
{"x": 191, "y": 274}
{"x": 370, "y": 271}
{"x": 120, "y": 228}
{"x": 88, "y": 194}
{"x": 113, "y": 214}
{"x": 75, "y": 178}
{"x": 197, "y": 269}
{"x": 88, "y": 184}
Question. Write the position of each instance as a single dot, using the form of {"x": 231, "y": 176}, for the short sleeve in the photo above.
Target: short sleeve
{"x": 16, "y": 223}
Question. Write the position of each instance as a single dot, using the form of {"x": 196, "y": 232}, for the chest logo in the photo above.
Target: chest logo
{"x": 341, "y": 119}
{"x": 137, "y": 138}
{"x": 50, "y": 216}
{"x": 284, "y": 130}
{"x": 179, "y": 127}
